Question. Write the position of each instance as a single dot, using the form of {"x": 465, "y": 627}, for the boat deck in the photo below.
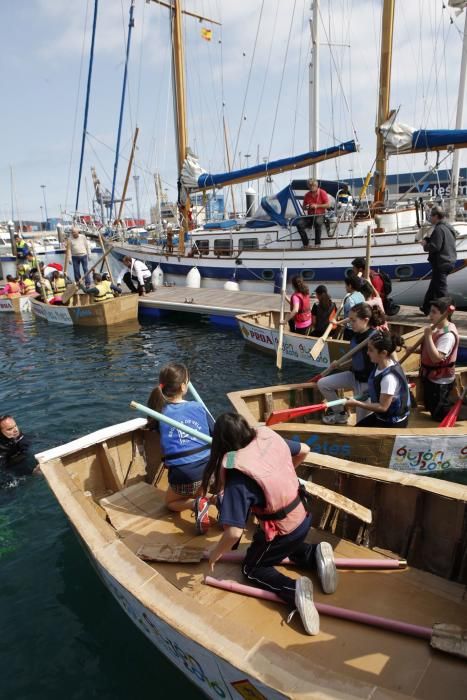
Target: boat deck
{"x": 391, "y": 664}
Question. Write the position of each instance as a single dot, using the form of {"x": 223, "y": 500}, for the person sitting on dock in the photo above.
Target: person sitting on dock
{"x": 184, "y": 456}
{"x": 315, "y": 204}
{"x": 102, "y": 289}
{"x": 352, "y": 298}
{"x": 12, "y": 287}
{"x": 438, "y": 359}
{"x": 300, "y": 314}
{"x": 14, "y": 449}
{"x": 387, "y": 386}
{"x": 322, "y": 312}
{"x": 364, "y": 319}
{"x": 255, "y": 470}
{"x": 137, "y": 278}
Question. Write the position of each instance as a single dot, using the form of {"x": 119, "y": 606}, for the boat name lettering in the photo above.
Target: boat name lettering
{"x": 82, "y": 313}
{"x": 327, "y": 448}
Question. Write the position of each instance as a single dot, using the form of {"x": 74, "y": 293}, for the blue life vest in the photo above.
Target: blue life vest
{"x": 178, "y": 447}
{"x": 400, "y": 405}
{"x": 361, "y": 363}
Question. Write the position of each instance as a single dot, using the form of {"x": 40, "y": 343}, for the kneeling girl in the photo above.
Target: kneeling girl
{"x": 184, "y": 456}
{"x": 255, "y": 469}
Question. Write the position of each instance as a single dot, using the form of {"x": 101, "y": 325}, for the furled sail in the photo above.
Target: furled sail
{"x": 193, "y": 177}
{"x": 401, "y": 138}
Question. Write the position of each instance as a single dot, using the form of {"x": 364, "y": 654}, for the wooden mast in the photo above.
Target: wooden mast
{"x": 180, "y": 110}
{"x": 387, "y": 30}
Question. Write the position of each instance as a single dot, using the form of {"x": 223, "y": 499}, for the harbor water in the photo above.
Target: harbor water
{"x": 63, "y": 635}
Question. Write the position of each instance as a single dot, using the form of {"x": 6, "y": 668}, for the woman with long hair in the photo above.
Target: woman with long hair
{"x": 363, "y": 319}
{"x": 322, "y": 312}
{"x": 255, "y": 470}
{"x": 300, "y": 307}
{"x": 184, "y": 456}
{"x": 387, "y": 386}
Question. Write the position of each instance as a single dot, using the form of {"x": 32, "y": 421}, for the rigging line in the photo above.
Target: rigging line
{"x": 265, "y": 77}
{"x": 75, "y": 119}
{"x": 165, "y": 60}
{"x": 433, "y": 71}
{"x": 140, "y": 66}
{"x": 128, "y": 91}
{"x": 86, "y": 107}
{"x": 299, "y": 73}
{"x": 282, "y": 78}
{"x": 242, "y": 115}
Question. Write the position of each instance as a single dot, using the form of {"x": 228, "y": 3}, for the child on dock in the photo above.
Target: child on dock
{"x": 387, "y": 386}
{"x": 364, "y": 320}
{"x": 255, "y": 469}
{"x": 438, "y": 360}
{"x": 184, "y": 456}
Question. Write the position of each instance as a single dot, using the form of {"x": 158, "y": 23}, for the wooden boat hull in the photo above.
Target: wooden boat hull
{"x": 261, "y": 331}
{"x": 230, "y": 646}
{"x": 15, "y": 305}
{"x": 420, "y": 448}
{"x": 105, "y": 313}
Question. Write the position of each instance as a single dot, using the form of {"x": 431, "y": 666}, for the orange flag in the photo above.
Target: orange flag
{"x": 206, "y": 33}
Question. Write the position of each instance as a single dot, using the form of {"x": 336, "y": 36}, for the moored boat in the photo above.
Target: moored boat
{"x": 15, "y": 304}
{"x": 233, "y": 646}
{"x": 420, "y": 448}
{"x": 82, "y": 311}
{"x": 261, "y": 330}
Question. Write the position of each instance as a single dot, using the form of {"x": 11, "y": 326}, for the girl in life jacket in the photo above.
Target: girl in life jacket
{"x": 300, "y": 307}
{"x": 184, "y": 456}
{"x": 255, "y": 470}
{"x": 387, "y": 386}
{"x": 364, "y": 320}
{"x": 438, "y": 359}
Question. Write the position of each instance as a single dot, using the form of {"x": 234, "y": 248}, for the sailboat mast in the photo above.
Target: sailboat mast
{"x": 180, "y": 109}
{"x": 459, "y": 116}
{"x": 387, "y": 30}
{"x": 314, "y": 86}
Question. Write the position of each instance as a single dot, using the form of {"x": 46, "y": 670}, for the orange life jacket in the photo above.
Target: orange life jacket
{"x": 268, "y": 461}
{"x": 447, "y": 367}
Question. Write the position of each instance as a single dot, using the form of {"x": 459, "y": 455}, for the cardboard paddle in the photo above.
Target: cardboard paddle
{"x": 281, "y": 320}
{"x": 66, "y": 296}
{"x": 449, "y": 421}
{"x": 416, "y": 345}
{"x": 319, "y": 345}
{"x": 41, "y": 279}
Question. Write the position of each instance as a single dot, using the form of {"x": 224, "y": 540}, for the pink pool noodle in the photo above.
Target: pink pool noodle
{"x": 324, "y": 609}
{"x": 341, "y": 563}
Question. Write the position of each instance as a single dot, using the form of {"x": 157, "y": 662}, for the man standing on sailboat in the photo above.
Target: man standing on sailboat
{"x": 80, "y": 254}
{"x": 315, "y": 204}
{"x": 442, "y": 255}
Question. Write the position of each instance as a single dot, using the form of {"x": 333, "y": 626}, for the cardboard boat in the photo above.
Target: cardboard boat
{"x": 82, "y": 311}
{"x": 261, "y": 331}
{"x": 232, "y": 646}
{"x": 15, "y": 304}
{"x": 420, "y": 448}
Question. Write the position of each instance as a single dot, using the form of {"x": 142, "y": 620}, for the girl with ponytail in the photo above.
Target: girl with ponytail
{"x": 184, "y": 456}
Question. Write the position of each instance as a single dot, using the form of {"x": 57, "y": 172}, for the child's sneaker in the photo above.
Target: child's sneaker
{"x": 331, "y": 418}
{"x": 201, "y": 509}
{"x": 326, "y": 567}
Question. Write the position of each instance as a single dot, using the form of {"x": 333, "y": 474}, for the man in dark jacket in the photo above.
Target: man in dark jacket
{"x": 14, "y": 447}
{"x": 441, "y": 249}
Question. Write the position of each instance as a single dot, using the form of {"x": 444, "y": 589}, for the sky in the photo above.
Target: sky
{"x": 253, "y": 73}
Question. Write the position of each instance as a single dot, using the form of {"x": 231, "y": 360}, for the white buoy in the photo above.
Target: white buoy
{"x": 193, "y": 279}
{"x": 157, "y": 277}
{"x": 231, "y": 286}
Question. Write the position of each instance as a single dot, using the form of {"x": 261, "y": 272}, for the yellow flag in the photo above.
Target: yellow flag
{"x": 206, "y": 34}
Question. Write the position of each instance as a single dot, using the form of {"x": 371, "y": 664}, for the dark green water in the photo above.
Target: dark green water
{"x": 62, "y": 634}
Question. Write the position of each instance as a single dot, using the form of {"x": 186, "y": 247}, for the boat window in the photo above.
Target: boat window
{"x": 247, "y": 243}
{"x": 308, "y": 275}
{"x": 202, "y": 247}
{"x": 223, "y": 246}
{"x": 403, "y": 271}
{"x": 267, "y": 275}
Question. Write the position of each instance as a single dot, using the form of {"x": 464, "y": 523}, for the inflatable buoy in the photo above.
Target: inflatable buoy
{"x": 157, "y": 277}
{"x": 193, "y": 279}
{"x": 231, "y": 286}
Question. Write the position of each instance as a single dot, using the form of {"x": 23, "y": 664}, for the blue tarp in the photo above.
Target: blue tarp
{"x": 432, "y": 139}
{"x": 276, "y": 166}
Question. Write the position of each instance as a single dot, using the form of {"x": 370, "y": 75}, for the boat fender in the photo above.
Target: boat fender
{"x": 193, "y": 279}
{"x": 157, "y": 277}
{"x": 231, "y": 286}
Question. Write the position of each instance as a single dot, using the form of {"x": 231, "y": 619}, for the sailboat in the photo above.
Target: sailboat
{"x": 251, "y": 251}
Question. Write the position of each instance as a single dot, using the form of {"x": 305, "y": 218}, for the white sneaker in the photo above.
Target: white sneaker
{"x": 305, "y": 605}
{"x": 331, "y": 418}
{"x": 326, "y": 567}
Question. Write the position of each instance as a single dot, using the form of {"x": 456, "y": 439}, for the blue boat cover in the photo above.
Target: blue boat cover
{"x": 276, "y": 166}
{"x": 431, "y": 139}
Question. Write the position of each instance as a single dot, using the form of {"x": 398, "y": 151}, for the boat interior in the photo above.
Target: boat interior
{"x": 111, "y": 484}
